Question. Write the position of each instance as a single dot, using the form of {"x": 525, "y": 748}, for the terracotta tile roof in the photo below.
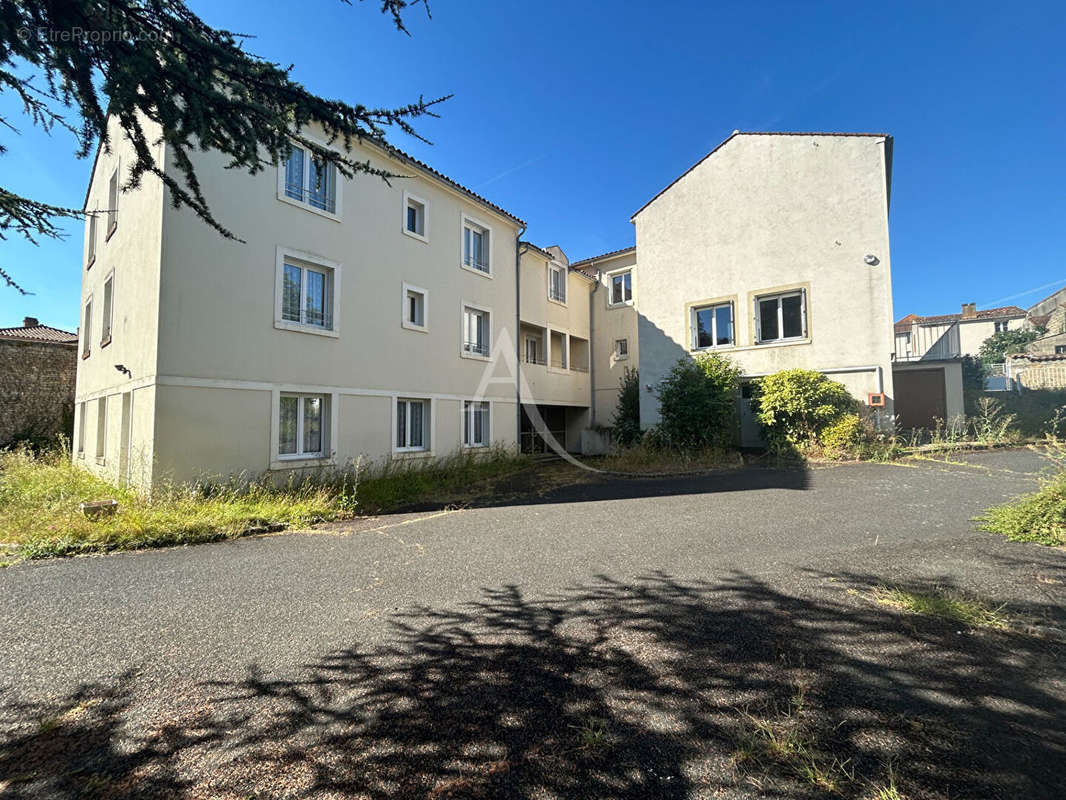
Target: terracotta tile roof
{"x": 733, "y": 135}
{"x": 400, "y": 155}
{"x": 39, "y": 333}
{"x": 988, "y": 313}
{"x": 602, "y": 256}
{"x": 904, "y": 325}
{"x": 1039, "y": 357}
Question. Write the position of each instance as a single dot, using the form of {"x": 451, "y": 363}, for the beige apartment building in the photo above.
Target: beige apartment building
{"x": 954, "y": 335}
{"x": 363, "y": 320}
{"x": 772, "y": 249}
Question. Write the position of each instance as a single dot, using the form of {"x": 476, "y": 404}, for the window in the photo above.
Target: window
{"x": 412, "y": 422}
{"x": 557, "y": 283}
{"x": 112, "y": 203}
{"x": 621, "y": 349}
{"x": 711, "y": 326}
{"x": 81, "y": 429}
{"x": 622, "y": 288}
{"x": 779, "y": 317}
{"x": 87, "y": 329}
{"x": 1060, "y": 348}
{"x": 92, "y": 241}
{"x": 309, "y": 180}
{"x": 414, "y": 308}
{"x": 476, "y": 331}
{"x": 1000, "y": 325}
{"x": 476, "y": 246}
{"x": 475, "y": 423}
{"x": 533, "y": 350}
{"x": 414, "y": 216}
{"x": 307, "y": 288}
{"x": 101, "y": 428}
{"x": 105, "y": 323}
{"x": 302, "y": 425}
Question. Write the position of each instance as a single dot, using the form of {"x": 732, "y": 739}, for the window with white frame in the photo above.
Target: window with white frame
{"x": 780, "y": 317}
{"x": 412, "y": 424}
{"x": 311, "y": 180}
{"x": 81, "y": 429}
{"x": 101, "y": 428}
{"x": 414, "y": 308}
{"x": 92, "y": 241}
{"x": 476, "y": 246}
{"x": 475, "y": 331}
{"x": 302, "y": 426}
{"x": 621, "y": 349}
{"x": 475, "y": 423}
{"x": 414, "y": 215}
{"x": 1000, "y": 325}
{"x": 112, "y": 203}
{"x": 557, "y": 283}
{"x": 307, "y": 291}
{"x": 621, "y": 288}
{"x": 105, "y": 322}
{"x": 711, "y": 326}
{"x": 87, "y": 328}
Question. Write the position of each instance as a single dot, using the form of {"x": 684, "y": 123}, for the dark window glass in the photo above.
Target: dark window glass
{"x": 724, "y": 325}
{"x": 768, "y": 320}
{"x": 792, "y": 316}
{"x": 703, "y": 327}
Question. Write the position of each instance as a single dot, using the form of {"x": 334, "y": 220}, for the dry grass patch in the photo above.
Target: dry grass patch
{"x": 947, "y": 605}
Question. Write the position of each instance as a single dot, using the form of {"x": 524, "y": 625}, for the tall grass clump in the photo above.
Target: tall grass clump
{"x": 405, "y": 483}
{"x": 1038, "y": 517}
{"x": 40, "y": 516}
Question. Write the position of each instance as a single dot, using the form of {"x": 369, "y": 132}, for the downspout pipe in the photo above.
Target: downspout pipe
{"x": 519, "y": 248}
{"x": 592, "y": 352}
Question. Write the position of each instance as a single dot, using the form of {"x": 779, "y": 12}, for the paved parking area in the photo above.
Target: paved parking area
{"x": 598, "y": 642}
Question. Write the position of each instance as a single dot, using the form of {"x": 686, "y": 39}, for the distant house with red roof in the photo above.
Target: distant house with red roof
{"x": 944, "y": 336}
{"x": 38, "y": 366}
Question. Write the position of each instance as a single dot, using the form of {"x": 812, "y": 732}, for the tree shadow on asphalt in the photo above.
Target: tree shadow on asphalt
{"x": 654, "y": 688}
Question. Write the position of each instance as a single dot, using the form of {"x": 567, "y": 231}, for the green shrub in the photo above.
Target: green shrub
{"x": 698, "y": 402}
{"x": 996, "y": 348}
{"x": 626, "y": 419}
{"x": 794, "y": 406}
{"x": 841, "y": 438}
{"x": 1038, "y": 517}
{"x": 973, "y": 383}
{"x": 1035, "y": 410}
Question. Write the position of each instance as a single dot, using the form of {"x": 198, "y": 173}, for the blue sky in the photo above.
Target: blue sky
{"x": 572, "y": 115}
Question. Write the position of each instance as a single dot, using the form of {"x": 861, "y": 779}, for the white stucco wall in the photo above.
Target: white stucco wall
{"x": 767, "y": 213}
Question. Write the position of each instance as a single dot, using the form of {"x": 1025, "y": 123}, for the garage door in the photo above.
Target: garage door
{"x": 920, "y": 397}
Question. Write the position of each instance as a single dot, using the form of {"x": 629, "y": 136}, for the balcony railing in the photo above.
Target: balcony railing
{"x": 481, "y": 348}
{"x": 535, "y": 360}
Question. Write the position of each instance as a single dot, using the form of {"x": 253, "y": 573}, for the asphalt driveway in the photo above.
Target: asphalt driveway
{"x": 618, "y": 639}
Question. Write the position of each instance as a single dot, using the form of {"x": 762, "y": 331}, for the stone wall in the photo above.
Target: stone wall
{"x": 36, "y": 390}
{"x": 1039, "y": 374}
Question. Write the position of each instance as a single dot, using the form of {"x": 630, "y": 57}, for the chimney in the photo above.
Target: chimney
{"x": 30, "y": 322}
{"x": 969, "y": 310}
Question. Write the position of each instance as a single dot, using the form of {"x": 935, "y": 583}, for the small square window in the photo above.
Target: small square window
{"x": 1060, "y": 349}
{"x": 621, "y": 288}
{"x": 414, "y": 216}
{"x": 557, "y": 283}
{"x": 412, "y": 424}
{"x": 105, "y": 323}
{"x": 711, "y": 326}
{"x": 475, "y": 423}
{"x": 414, "y": 309}
{"x": 476, "y": 243}
{"x": 302, "y": 425}
{"x": 476, "y": 331}
{"x": 621, "y": 349}
{"x": 1000, "y": 325}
